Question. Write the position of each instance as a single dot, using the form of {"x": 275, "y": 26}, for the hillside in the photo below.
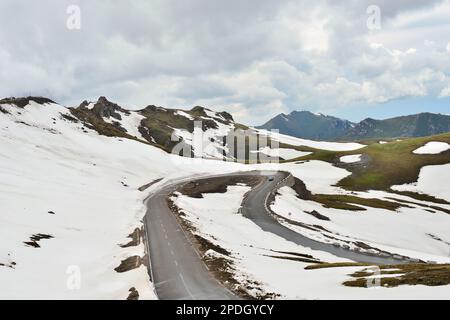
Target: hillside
{"x": 304, "y": 124}
{"x": 75, "y": 180}
{"x": 308, "y": 125}
{"x": 158, "y": 126}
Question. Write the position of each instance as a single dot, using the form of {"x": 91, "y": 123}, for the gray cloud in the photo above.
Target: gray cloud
{"x": 254, "y": 58}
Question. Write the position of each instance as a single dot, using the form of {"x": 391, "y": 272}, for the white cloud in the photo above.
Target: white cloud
{"x": 445, "y": 92}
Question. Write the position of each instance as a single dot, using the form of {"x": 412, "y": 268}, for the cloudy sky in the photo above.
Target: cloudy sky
{"x": 253, "y": 58}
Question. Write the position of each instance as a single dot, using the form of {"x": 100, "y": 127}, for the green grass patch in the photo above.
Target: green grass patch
{"x": 393, "y": 163}
{"x": 336, "y": 265}
{"x": 422, "y": 197}
{"x": 98, "y": 124}
{"x": 349, "y": 202}
{"x": 405, "y": 274}
{"x": 402, "y": 274}
{"x": 385, "y": 165}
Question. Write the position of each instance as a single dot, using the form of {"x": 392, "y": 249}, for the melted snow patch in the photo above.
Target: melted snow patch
{"x": 184, "y": 114}
{"x": 283, "y": 153}
{"x": 351, "y": 158}
{"x": 212, "y": 114}
{"x": 428, "y": 182}
{"x": 332, "y": 146}
{"x": 432, "y": 147}
{"x": 131, "y": 122}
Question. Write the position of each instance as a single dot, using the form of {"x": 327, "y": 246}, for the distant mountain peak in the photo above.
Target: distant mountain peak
{"x": 308, "y": 125}
{"x": 317, "y": 126}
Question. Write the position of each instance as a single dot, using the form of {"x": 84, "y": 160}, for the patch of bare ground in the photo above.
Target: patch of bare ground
{"x": 318, "y": 215}
{"x": 24, "y": 101}
{"x": 298, "y": 259}
{"x": 336, "y": 265}
{"x": 220, "y": 264}
{"x": 195, "y": 189}
{"x": 134, "y": 294}
{"x": 34, "y": 239}
{"x": 69, "y": 118}
{"x": 11, "y": 265}
{"x": 133, "y": 262}
{"x": 130, "y": 263}
{"x": 434, "y": 207}
{"x": 295, "y": 256}
{"x": 422, "y": 197}
{"x": 312, "y": 227}
{"x": 404, "y": 274}
{"x": 301, "y": 190}
{"x": 438, "y": 239}
{"x": 2, "y": 110}
{"x": 148, "y": 185}
{"x": 136, "y": 238}
{"x": 343, "y": 202}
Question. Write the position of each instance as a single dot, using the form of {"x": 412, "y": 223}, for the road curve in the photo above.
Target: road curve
{"x": 254, "y": 208}
{"x": 177, "y": 269}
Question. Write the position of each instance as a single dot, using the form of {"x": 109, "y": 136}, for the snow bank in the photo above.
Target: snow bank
{"x": 131, "y": 122}
{"x": 332, "y": 146}
{"x": 351, "y": 158}
{"x": 433, "y": 147}
{"x": 284, "y": 153}
{"x": 432, "y": 181}
{"x": 184, "y": 114}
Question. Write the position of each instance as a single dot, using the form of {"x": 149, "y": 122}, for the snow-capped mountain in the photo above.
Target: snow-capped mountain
{"x": 158, "y": 126}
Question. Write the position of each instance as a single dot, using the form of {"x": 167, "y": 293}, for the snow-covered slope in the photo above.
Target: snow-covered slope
{"x": 433, "y": 180}
{"x": 199, "y": 129}
{"x": 69, "y": 198}
{"x": 410, "y": 231}
{"x": 65, "y": 181}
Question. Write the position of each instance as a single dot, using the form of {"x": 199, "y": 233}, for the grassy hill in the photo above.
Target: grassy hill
{"x": 382, "y": 165}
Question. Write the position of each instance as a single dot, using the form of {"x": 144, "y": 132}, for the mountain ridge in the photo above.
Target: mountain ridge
{"x": 161, "y": 127}
{"x": 308, "y": 125}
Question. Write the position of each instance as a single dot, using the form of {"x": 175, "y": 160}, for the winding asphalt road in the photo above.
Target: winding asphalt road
{"x": 177, "y": 269}
{"x": 178, "y": 273}
{"x": 254, "y": 208}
